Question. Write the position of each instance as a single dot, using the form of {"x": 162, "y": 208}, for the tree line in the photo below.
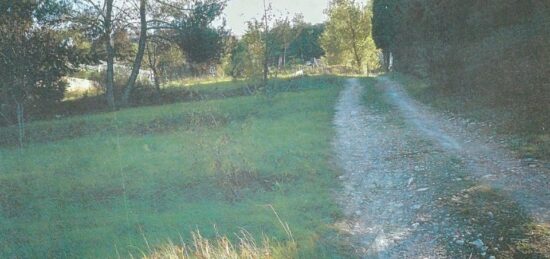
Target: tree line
{"x": 495, "y": 48}
{"x": 44, "y": 41}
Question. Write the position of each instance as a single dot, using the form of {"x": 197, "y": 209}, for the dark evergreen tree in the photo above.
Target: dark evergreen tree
{"x": 383, "y": 27}
{"x": 34, "y": 56}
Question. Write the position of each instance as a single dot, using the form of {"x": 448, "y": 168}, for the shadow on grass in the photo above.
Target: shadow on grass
{"x": 518, "y": 116}
{"x": 475, "y": 211}
{"x": 181, "y": 93}
{"x": 504, "y": 228}
{"x": 55, "y": 130}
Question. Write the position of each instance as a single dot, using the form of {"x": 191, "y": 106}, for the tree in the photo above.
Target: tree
{"x": 96, "y": 17}
{"x": 107, "y": 22}
{"x": 473, "y": 48}
{"x": 189, "y": 25}
{"x": 238, "y": 57}
{"x": 306, "y": 45}
{"x": 253, "y": 55}
{"x": 250, "y": 55}
{"x": 282, "y": 37}
{"x": 34, "y": 56}
{"x": 154, "y": 49}
{"x": 108, "y": 29}
{"x": 383, "y": 27}
{"x": 347, "y": 38}
{"x": 140, "y": 53}
{"x": 267, "y": 46}
{"x": 287, "y": 40}
{"x": 123, "y": 46}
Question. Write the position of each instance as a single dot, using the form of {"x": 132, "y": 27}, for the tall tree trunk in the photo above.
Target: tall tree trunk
{"x": 156, "y": 79}
{"x": 20, "y": 112}
{"x": 386, "y": 55}
{"x": 110, "y": 54}
{"x": 152, "y": 59}
{"x": 358, "y": 59}
{"x": 266, "y": 59}
{"x": 284, "y": 57}
{"x": 266, "y": 50}
{"x": 139, "y": 56}
{"x": 4, "y": 103}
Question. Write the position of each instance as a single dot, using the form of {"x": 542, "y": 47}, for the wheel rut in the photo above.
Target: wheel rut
{"x": 408, "y": 176}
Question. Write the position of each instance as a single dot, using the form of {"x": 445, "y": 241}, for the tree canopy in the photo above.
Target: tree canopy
{"x": 347, "y": 38}
{"x": 466, "y": 44}
{"x": 201, "y": 42}
{"x": 34, "y": 54}
{"x": 383, "y": 27}
{"x": 495, "y": 49}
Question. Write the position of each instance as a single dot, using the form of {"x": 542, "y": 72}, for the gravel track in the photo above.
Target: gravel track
{"x": 400, "y": 164}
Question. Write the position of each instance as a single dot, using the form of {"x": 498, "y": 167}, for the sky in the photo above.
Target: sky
{"x": 238, "y": 12}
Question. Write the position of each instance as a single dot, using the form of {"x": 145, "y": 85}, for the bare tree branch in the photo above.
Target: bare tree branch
{"x": 163, "y": 2}
{"x": 100, "y": 10}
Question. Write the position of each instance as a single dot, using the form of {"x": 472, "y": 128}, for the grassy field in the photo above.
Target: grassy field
{"x": 115, "y": 184}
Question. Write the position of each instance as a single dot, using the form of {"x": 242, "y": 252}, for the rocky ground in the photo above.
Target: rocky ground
{"x": 419, "y": 184}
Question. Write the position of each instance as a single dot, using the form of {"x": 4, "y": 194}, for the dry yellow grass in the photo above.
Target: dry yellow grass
{"x": 246, "y": 247}
{"x": 222, "y": 247}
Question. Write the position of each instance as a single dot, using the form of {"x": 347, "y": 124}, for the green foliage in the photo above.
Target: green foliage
{"x": 281, "y": 35}
{"x": 306, "y": 46}
{"x": 347, "y": 39}
{"x": 383, "y": 30}
{"x": 157, "y": 177}
{"x": 248, "y": 55}
{"x": 165, "y": 59}
{"x": 238, "y": 56}
{"x": 383, "y": 27}
{"x": 124, "y": 48}
{"x": 289, "y": 42}
{"x": 172, "y": 63}
{"x": 496, "y": 52}
{"x": 295, "y": 40}
{"x": 34, "y": 56}
{"x": 201, "y": 43}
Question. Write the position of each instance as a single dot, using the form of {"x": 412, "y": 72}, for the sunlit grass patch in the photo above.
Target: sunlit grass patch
{"x": 222, "y": 247}
{"x": 189, "y": 82}
{"x": 246, "y": 246}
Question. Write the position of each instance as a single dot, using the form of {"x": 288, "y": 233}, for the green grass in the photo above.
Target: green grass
{"x": 158, "y": 173}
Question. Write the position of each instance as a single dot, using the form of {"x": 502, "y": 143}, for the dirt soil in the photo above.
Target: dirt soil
{"x": 420, "y": 184}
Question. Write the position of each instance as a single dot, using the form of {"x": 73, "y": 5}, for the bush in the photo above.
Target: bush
{"x": 144, "y": 88}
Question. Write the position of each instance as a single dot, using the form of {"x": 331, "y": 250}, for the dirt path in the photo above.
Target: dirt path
{"x": 419, "y": 185}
